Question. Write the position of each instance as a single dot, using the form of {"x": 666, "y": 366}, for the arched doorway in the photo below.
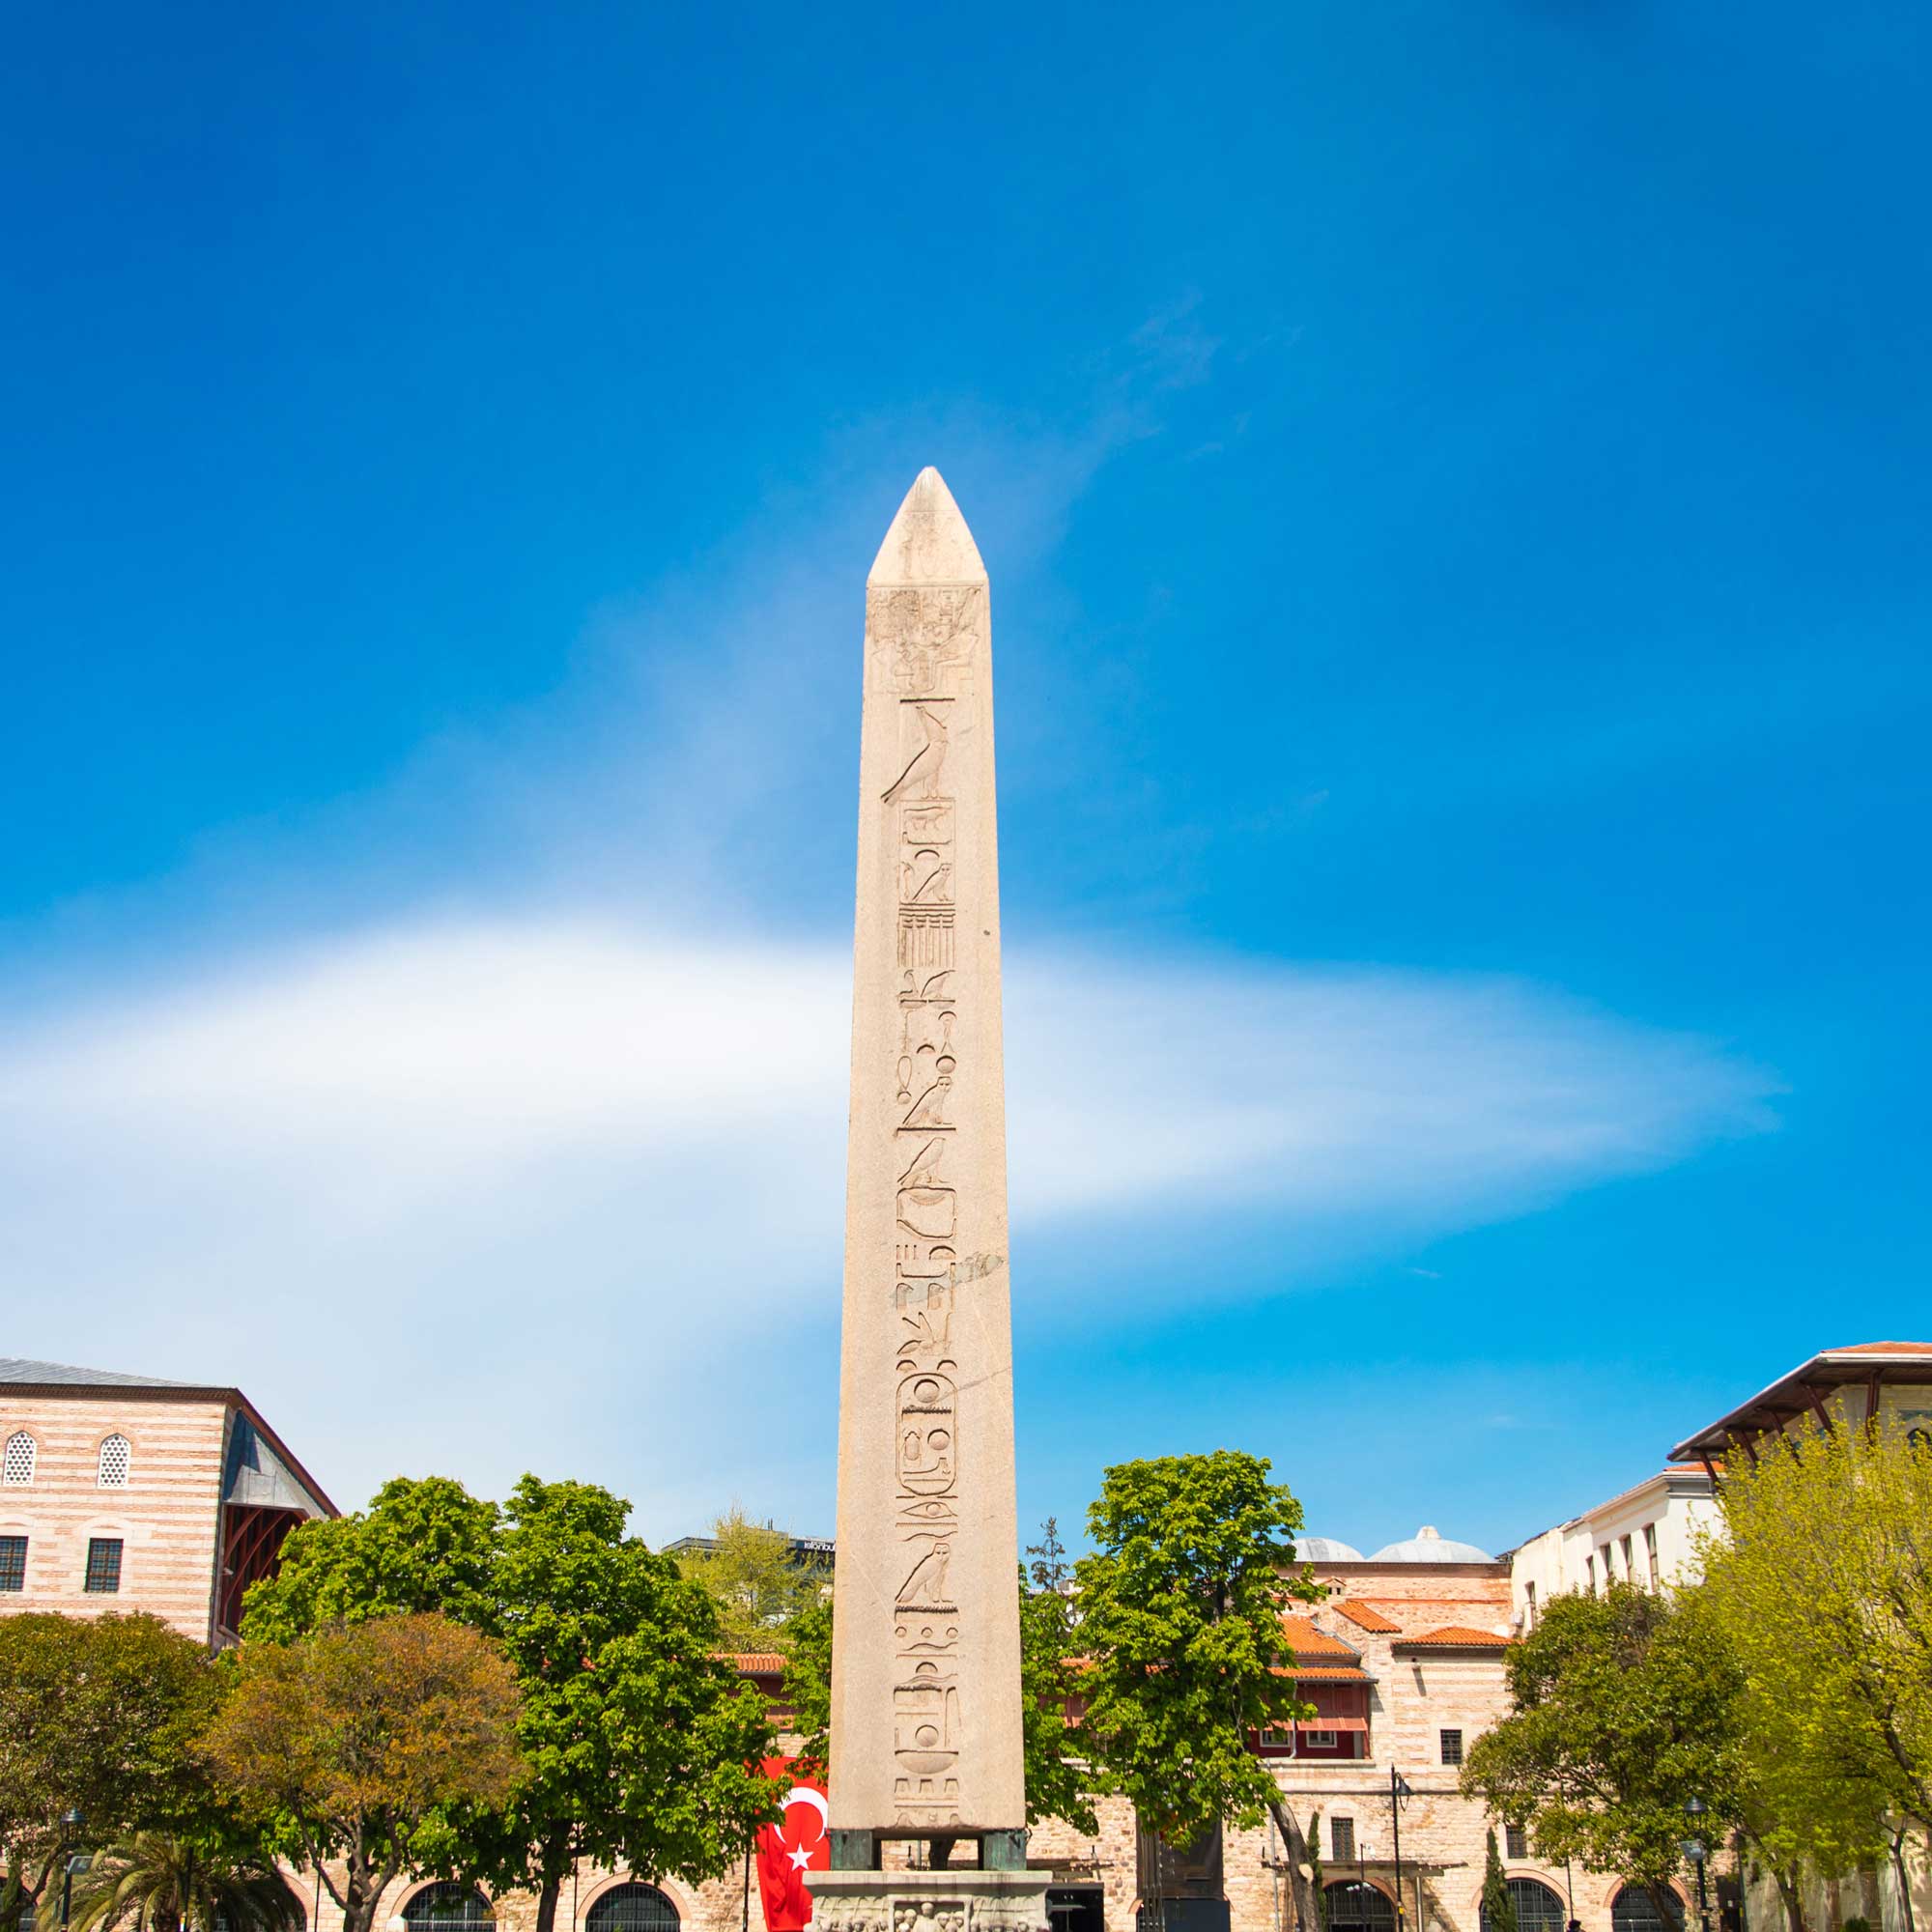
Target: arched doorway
{"x": 1538, "y": 1909}
{"x": 632, "y": 1908}
{"x": 450, "y": 1907}
{"x": 1355, "y": 1906}
{"x": 1633, "y": 1910}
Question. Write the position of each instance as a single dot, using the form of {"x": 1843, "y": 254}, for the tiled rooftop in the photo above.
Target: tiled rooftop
{"x": 1366, "y": 1617}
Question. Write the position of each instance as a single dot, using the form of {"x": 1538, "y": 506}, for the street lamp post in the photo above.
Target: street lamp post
{"x": 1697, "y": 1852}
{"x": 1399, "y": 1791}
{"x": 71, "y": 1822}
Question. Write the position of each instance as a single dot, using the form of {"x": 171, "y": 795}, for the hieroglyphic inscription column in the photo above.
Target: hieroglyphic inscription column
{"x": 925, "y": 1701}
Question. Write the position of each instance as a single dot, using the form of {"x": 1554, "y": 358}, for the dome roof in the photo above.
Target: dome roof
{"x": 1325, "y": 1549}
{"x": 1429, "y": 1545}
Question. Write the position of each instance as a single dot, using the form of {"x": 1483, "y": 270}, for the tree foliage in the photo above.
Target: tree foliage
{"x": 1822, "y": 1587}
{"x": 807, "y": 1680}
{"x": 422, "y": 1544}
{"x": 758, "y": 1584}
{"x": 1618, "y": 1714}
{"x": 356, "y": 1742}
{"x": 1058, "y": 1783}
{"x": 1498, "y": 1913}
{"x": 98, "y": 1714}
{"x": 634, "y": 1734}
{"x": 166, "y": 1880}
{"x": 1181, "y": 1620}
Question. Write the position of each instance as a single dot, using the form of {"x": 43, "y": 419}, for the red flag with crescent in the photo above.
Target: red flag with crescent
{"x": 788, "y": 1850}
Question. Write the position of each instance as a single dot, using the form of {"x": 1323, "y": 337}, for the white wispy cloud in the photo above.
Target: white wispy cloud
{"x": 494, "y": 1119}
{"x": 561, "y": 1190}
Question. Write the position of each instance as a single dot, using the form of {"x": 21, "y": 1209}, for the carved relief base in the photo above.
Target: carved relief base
{"x": 930, "y": 1901}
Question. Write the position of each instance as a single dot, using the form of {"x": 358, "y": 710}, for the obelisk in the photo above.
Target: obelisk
{"x": 926, "y": 1694}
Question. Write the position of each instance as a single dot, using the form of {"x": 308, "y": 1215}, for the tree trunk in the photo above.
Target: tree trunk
{"x": 1904, "y": 1877}
{"x": 1792, "y": 1891}
{"x": 1670, "y": 1908}
{"x": 1295, "y": 1849}
{"x": 361, "y": 1895}
{"x": 547, "y": 1897}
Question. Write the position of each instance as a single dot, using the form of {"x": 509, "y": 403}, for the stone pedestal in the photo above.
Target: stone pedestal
{"x": 930, "y": 1901}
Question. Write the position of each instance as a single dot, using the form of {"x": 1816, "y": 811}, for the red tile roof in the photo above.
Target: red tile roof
{"x": 760, "y": 1662}
{"x": 1367, "y": 1617}
{"x": 1883, "y": 1349}
{"x": 1455, "y": 1636}
{"x": 1329, "y": 1673}
{"x": 1305, "y": 1640}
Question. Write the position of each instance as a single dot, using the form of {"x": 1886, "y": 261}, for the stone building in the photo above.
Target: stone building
{"x": 1645, "y": 1535}
{"x": 124, "y": 1493}
{"x": 1403, "y": 1663}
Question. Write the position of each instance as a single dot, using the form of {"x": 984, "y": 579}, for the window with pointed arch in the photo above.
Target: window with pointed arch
{"x": 1538, "y": 1909}
{"x": 450, "y": 1906}
{"x": 1633, "y": 1910}
{"x": 16, "y": 1467}
{"x": 117, "y": 1459}
{"x": 632, "y": 1908}
{"x": 1356, "y": 1906}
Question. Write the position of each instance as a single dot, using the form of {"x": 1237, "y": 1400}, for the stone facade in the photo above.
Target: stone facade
{"x": 139, "y": 1495}
{"x": 1647, "y": 1536}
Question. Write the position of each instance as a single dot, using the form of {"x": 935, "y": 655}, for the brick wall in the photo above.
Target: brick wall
{"x": 166, "y": 1517}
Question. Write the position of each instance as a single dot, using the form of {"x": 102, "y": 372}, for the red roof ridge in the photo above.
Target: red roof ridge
{"x": 756, "y": 1662}
{"x": 1302, "y": 1638}
{"x": 1458, "y": 1636}
{"x": 1366, "y": 1616}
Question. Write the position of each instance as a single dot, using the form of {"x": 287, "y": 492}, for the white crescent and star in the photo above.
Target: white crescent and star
{"x": 800, "y": 1794}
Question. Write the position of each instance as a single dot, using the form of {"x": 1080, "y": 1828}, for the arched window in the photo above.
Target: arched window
{"x": 1356, "y": 1907}
{"x": 1632, "y": 1910}
{"x": 448, "y": 1907}
{"x": 632, "y": 1908}
{"x": 116, "y": 1454}
{"x": 21, "y": 1453}
{"x": 1538, "y": 1909}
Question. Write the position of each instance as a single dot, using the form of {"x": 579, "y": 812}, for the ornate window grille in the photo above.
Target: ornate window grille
{"x": 632, "y": 1908}
{"x": 116, "y": 1458}
{"x": 22, "y": 1452}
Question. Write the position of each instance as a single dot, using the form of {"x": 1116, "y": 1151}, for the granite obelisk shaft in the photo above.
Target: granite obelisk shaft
{"x": 925, "y": 1698}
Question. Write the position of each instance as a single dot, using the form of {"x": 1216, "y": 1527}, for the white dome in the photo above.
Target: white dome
{"x": 1429, "y": 1545}
{"x": 1325, "y": 1549}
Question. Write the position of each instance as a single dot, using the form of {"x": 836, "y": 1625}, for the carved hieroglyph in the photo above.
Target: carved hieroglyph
{"x": 926, "y": 1700}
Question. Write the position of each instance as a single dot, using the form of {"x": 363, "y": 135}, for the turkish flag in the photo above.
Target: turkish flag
{"x": 787, "y": 1851}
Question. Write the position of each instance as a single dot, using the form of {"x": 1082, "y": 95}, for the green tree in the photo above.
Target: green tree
{"x": 355, "y": 1745}
{"x": 1056, "y": 1777}
{"x": 1498, "y": 1907}
{"x": 1820, "y": 1586}
{"x": 166, "y": 1880}
{"x": 635, "y": 1736}
{"x": 807, "y": 1680}
{"x": 758, "y": 1584}
{"x": 1180, "y": 1619}
{"x": 97, "y": 1714}
{"x": 1615, "y": 1719}
{"x": 422, "y": 1544}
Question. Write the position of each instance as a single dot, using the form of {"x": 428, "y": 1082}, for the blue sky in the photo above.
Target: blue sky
{"x": 1453, "y": 482}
